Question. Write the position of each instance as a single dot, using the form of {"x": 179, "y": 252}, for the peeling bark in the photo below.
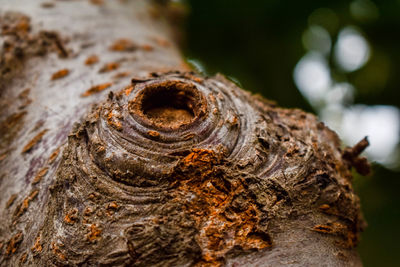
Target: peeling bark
{"x": 113, "y": 153}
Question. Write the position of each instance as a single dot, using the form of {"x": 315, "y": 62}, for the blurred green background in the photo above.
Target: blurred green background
{"x": 337, "y": 59}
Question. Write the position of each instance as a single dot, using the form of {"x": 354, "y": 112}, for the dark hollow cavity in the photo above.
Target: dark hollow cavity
{"x": 170, "y": 105}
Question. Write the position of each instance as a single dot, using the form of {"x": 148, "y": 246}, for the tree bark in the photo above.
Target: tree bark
{"x": 113, "y": 153}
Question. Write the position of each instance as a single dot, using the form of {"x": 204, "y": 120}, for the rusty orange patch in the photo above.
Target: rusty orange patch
{"x": 93, "y": 59}
{"x": 324, "y": 207}
{"x": 56, "y": 251}
{"x": 22, "y": 26}
{"x": 40, "y": 175}
{"x": 113, "y": 205}
{"x": 96, "y": 89}
{"x": 37, "y": 247}
{"x": 34, "y": 141}
{"x": 71, "y": 217}
{"x": 25, "y": 204}
{"x": 111, "y": 208}
{"x": 54, "y": 155}
{"x": 113, "y": 121}
{"x": 121, "y": 75}
{"x": 94, "y": 233}
{"x": 221, "y": 226}
{"x": 331, "y": 228}
{"x": 128, "y": 90}
{"x": 59, "y": 74}
{"x": 327, "y": 229}
{"x": 123, "y": 45}
{"x": 109, "y": 67}
{"x": 153, "y": 133}
{"x": 14, "y": 243}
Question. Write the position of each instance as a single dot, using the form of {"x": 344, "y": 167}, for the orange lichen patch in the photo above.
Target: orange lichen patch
{"x": 11, "y": 200}
{"x": 59, "y": 74}
{"x": 111, "y": 208}
{"x": 71, "y": 217}
{"x": 94, "y": 233}
{"x": 121, "y": 75}
{"x": 222, "y": 223}
{"x": 123, "y": 45}
{"x": 94, "y": 196}
{"x": 14, "y": 243}
{"x": 109, "y": 67}
{"x": 147, "y": 47}
{"x": 324, "y": 207}
{"x": 34, "y": 141}
{"x": 25, "y": 204}
{"x": 128, "y": 90}
{"x": 331, "y": 228}
{"x": 21, "y": 26}
{"x": 200, "y": 158}
{"x": 93, "y": 59}
{"x": 233, "y": 121}
{"x": 197, "y": 79}
{"x": 23, "y": 258}
{"x": 56, "y": 251}
{"x": 113, "y": 120}
{"x": 40, "y": 175}
{"x": 54, "y": 155}
{"x": 3, "y": 156}
{"x": 96, "y": 89}
{"x": 327, "y": 229}
{"x": 153, "y": 133}
{"x": 37, "y": 247}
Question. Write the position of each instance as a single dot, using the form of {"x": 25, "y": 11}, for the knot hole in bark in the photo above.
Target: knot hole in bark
{"x": 170, "y": 104}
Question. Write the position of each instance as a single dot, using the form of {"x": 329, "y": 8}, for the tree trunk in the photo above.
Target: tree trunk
{"x": 111, "y": 153}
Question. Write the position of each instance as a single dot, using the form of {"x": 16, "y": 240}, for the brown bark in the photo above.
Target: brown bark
{"x": 113, "y": 154}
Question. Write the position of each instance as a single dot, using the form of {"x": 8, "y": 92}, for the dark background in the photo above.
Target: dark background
{"x": 259, "y": 43}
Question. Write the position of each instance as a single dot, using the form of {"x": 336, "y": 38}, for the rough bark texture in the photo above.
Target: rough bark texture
{"x": 113, "y": 154}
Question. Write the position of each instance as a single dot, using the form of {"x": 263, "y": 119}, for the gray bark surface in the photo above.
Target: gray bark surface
{"x": 113, "y": 154}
